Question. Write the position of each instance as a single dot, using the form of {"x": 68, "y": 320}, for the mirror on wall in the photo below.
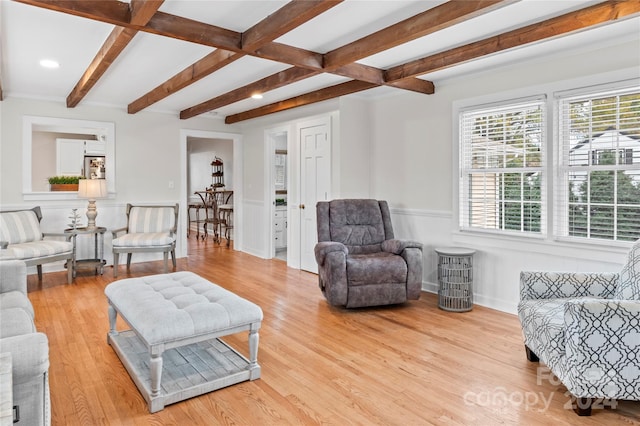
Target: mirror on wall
{"x": 68, "y": 147}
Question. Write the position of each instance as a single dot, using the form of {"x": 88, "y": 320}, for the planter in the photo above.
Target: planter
{"x": 63, "y": 187}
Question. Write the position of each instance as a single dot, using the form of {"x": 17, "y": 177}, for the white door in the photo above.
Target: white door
{"x": 315, "y": 185}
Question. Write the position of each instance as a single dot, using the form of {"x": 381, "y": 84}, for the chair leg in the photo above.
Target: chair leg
{"x": 173, "y": 258}
{"x": 530, "y": 355}
{"x": 165, "y": 255}
{"x": 39, "y": 268}
{"x": 69, "y": 271}
{"x": 115, "y": 264}
{"x": 129, "y": 260}
{"x": 582, "y": 406}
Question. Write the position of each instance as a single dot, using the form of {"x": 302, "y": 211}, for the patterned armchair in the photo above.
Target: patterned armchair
{"x": 586, "y": 328}
{"x": 149, "y": 229}
{"x": 359, "y": 261}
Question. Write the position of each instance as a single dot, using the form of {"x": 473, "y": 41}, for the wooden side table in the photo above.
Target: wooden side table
{"x": 455, "y": 279}
{"x": 97, "y": 262}
{"x": 6, "y": 390}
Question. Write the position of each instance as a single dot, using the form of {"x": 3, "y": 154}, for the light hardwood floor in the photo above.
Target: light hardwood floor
{"x": 404, "y": 365}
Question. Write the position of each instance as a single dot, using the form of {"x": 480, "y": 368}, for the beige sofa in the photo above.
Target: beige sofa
{"x": 28, "y": 348}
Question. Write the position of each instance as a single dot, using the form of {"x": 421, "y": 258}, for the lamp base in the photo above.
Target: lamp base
{"x": 92, "y": 213}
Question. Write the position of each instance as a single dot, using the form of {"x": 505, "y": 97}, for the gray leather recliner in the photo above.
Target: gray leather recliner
{"x": 360, "y": 263}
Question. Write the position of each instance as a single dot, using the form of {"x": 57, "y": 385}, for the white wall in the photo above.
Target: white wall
{"x": 401, "y": 148}
{"x": 147, "y": 150}
{"x": 414, "y": 148}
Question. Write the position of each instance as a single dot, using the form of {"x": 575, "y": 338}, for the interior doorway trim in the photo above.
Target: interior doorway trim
{"x": 237, "y": 181}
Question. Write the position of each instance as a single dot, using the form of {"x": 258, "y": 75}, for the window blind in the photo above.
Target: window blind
{"x": 502, "y": 167}
{"x": 597, "y": 189}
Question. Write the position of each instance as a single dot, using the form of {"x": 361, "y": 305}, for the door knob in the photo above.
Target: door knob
{"x": 301, "y": 206}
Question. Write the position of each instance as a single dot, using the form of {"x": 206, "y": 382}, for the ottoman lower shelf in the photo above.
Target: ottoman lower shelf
{"x": 187, "y": 371}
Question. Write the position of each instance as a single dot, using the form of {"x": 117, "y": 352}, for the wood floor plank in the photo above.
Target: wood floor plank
{"x": 412, "y": 364}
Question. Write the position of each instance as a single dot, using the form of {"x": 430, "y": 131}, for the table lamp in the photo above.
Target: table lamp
{"x": 92, "y": 189}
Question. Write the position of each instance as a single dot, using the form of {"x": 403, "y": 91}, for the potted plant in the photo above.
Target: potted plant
{"x": 64, "y": 183}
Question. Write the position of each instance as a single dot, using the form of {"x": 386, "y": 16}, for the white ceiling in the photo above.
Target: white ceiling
{"x": 29, "y": 34}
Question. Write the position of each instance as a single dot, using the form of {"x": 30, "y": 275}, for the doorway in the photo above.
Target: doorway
{"x": 277, "y": 153}
{"x": 196, "y": 171}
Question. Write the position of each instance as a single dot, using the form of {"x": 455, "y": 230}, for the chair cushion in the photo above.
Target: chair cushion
{"x": 40, "y": 249}
{"x": 143, "y": 240}
{"x": 151, "y": 219}
{"x": 19, "y": 227}
{"x": 628, "y": 287}
{"x": 358, "y": 224}
{"x": 376, "y": 268}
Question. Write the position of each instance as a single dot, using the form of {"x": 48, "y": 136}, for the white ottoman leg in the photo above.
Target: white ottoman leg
{"x": 254, "y": 338}
{"x": 156, "y": 374}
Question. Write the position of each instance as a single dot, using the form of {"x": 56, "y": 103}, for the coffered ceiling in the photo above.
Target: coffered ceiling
{"x": 207, "y": 57}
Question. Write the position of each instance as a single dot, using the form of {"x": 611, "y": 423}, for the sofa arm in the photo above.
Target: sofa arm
{"x": 13, "y": 276}
{"x": 397, "y": 246}
{"x": 15, "y": 322}
{"x": 603, "y": 348}
{"x": 67, "y": 236}
{"x": 554, "y": 285}
{"x": 323, "y": 248}
{"x": 29, "y": 355}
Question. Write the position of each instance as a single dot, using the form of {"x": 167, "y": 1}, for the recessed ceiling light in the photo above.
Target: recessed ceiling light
{"x": 256, "y": 96}
{"x": 49, "y": 63}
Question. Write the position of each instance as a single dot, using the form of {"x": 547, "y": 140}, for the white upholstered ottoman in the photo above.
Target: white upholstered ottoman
{"x": 173, "y": 350}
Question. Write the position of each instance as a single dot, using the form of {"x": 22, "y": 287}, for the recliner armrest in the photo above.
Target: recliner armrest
{"x": 397, "y": 246}
{"x": 323, "y": 248}
{"x": 555, "y": 285}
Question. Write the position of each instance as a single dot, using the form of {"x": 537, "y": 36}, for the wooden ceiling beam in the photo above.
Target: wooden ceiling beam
{"x": 287, "y": 18}
{"x": 274, "y": 81}
{"x": 141, "y": 12}
{"x": 428, "y": 22}
{"x": 112, "y": 47}
{"x": 197, "y": 32}
{"x": 118, "y": 13}
{"x": 215, "y": 60}
{"x": 327, "y": 93}
{"x": 588, "y": 17}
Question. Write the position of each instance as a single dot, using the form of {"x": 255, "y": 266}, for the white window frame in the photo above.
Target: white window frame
{"x": 466, "y": 167}
{"x": 562, "y": 168}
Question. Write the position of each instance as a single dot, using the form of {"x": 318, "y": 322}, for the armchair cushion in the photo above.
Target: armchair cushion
{"x": 42, "y": 248}
{"x": 19, "y": 227}
{"x": 376, "y": 268}
{"x": 143, "y": 240}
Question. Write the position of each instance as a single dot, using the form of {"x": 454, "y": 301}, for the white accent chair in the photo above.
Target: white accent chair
{"x": 586, "y": 328}
{"x": 149, "y": 229}
{"x": 21, "y": 238}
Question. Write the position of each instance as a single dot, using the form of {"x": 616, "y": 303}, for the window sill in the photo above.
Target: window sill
{"x": 601, "y": 251}
{"x": 53, "y": 196}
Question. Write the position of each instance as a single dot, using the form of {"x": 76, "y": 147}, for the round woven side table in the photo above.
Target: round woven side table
{"x": 455, "y": 278}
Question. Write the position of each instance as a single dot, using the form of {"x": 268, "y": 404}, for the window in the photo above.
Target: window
{"x": 501, "y": 163}
{"x": 598, "y": 184}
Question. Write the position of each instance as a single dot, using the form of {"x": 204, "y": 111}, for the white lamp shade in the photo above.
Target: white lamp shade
{"x": 92, "y": 188}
